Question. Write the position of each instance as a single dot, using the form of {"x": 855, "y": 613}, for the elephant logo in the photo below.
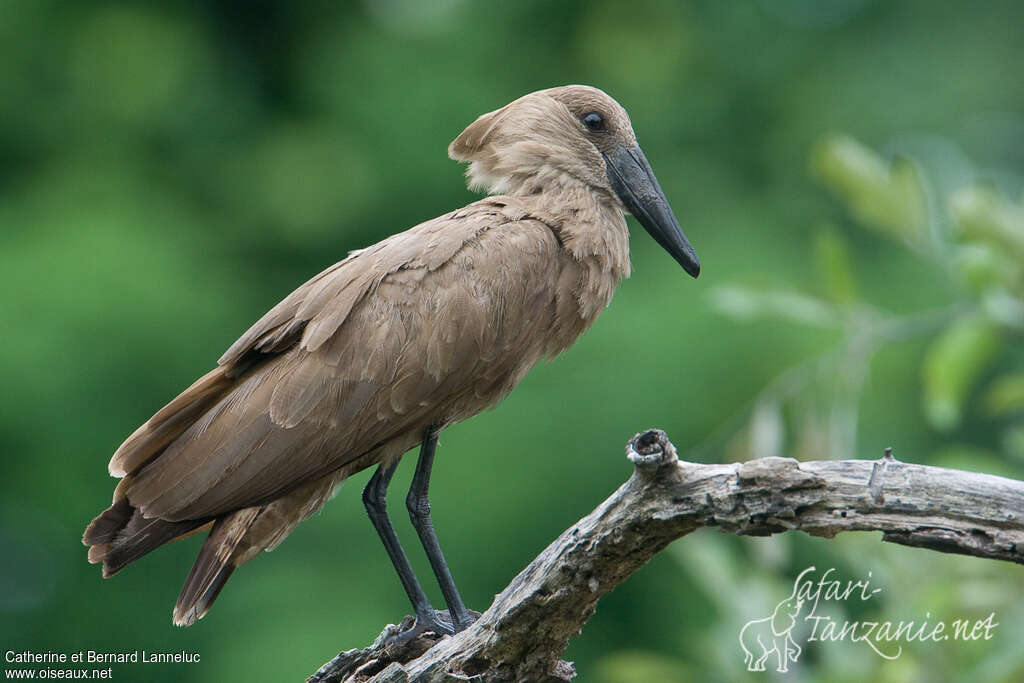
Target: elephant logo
{"x": 759, "y": 638}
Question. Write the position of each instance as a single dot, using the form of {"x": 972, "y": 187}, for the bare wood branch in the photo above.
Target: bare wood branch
{"x": 526, "y": 629}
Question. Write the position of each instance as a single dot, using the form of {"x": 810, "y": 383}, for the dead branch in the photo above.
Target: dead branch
{"x": 526, "y": 629}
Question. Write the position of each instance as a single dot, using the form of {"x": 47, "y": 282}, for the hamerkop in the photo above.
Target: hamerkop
{"x": 383, "y": 350}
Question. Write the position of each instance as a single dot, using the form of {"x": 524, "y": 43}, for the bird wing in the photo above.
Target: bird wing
{"x": 435, "y": 323}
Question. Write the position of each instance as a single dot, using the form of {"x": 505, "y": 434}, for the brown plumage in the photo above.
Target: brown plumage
{"x": 422, "y": 330}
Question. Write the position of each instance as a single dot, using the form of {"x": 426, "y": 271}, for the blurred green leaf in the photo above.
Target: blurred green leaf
{"x": 1004, "y": 307}
{"x": 887, "y": 197}
{"x": 984, "y": 266}
{"x": 982, "y": 215}
{"x": 952, "y": 366}
{"x": 1005, "y": 395}
{"x": 832, "y": 256}
{"x": 745, "y": 304}
{"x": 639, "y": 666}
{"x": 1013, "y": 442}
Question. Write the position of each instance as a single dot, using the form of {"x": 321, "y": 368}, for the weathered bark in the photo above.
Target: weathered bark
{"x": 526, "y": 629}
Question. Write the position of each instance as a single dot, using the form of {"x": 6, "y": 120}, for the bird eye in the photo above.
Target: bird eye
{"x": 593, "y": 121}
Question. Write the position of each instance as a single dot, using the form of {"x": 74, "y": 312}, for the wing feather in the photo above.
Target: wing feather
{"x": 435, "y": 323}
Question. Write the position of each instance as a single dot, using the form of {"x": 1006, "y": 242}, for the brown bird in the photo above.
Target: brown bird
{"x": 383, "y": 350}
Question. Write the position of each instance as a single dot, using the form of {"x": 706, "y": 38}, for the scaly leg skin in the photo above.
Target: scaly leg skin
{"x": 419, "y": 513}
{"x": 375, "y": 501}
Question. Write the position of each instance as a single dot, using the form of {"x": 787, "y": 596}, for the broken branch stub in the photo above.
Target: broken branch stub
{"x": 528, "y": 626}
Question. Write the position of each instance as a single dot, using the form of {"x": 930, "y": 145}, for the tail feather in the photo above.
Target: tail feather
{"x": 222, "y": 552}
{"x": 121, "y": 535}
{"x": 104, "y": 528}
{"x": 192, "y": 607}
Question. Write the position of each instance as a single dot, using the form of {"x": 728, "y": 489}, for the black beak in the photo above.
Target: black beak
{"x": 633, "y": 180}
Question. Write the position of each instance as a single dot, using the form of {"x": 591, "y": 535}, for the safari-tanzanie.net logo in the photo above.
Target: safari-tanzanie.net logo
{"x": 772, "y": 640}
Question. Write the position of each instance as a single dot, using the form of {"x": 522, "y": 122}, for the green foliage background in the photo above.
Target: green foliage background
{"x": 850, "y": 172}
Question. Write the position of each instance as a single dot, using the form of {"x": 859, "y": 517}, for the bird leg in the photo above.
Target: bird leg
{"x": 419, "y": 513}
{"x": 375, "y": 501}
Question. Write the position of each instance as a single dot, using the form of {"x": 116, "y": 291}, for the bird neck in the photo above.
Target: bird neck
{"x": 588, "y": 223}
{"x": 591, "y": 230}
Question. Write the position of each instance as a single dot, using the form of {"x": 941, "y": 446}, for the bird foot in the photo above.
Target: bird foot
{"x": 471, "y": 616}
{"x": 438, "y": 622}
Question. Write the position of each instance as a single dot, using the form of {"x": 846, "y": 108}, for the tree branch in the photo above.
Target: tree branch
{"x": 526, "y": 629}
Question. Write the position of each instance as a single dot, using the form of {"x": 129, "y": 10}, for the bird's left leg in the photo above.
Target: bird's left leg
{"x": 419, "y": 513}
{"x": 375, "y": 500}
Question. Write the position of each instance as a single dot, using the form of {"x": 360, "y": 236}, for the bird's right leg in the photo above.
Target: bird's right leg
{"x": 419, "y": 512}
{"x": 375, "y": 501}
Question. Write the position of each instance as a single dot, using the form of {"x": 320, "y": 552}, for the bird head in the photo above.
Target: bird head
{"x": 571, "y": 134}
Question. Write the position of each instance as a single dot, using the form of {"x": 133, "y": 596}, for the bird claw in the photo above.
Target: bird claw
{"x": 438, "y": 623}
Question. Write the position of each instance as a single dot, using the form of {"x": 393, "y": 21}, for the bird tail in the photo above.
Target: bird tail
{"x": 120, "y": 535}
{"x": 222, "y": 553}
